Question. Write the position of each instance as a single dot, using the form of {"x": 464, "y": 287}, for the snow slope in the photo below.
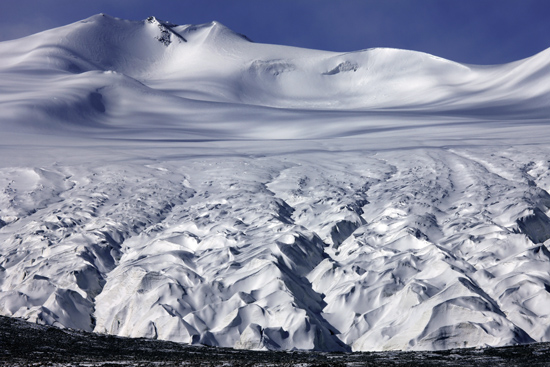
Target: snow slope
{"x": 184, "y": 183}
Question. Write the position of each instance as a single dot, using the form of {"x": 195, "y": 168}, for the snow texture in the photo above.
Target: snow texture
{"x": 186, "y": 184}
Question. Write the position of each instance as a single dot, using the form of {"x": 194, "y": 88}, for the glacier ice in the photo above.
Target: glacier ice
{"x": 186, "y": 184}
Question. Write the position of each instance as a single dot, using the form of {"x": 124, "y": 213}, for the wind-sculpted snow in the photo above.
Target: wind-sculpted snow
{"x": 184, "y": 183}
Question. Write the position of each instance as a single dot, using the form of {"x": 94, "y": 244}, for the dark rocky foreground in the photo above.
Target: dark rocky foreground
{"x": 26, "y": 344}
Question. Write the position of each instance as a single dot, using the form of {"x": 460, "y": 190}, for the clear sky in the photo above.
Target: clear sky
{"x": 469, "y": 31}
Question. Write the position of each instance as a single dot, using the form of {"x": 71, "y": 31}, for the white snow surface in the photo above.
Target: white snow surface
{"x": 187, "y": 184}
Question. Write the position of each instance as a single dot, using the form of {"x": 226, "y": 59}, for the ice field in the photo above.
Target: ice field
{"x": 186, "y": 184}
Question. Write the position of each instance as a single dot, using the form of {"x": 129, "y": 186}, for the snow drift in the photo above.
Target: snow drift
{"x": 187, "y": 184}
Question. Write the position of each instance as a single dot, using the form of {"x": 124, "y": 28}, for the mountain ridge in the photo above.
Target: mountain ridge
{"x": 372, "y": 79}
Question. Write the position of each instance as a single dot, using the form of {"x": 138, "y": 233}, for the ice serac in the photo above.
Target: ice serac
{"x": 181, "y": 182}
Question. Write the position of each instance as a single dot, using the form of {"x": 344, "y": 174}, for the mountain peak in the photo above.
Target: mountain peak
{"x": 213, "y": 30}
{"x": 154, "y": 20}
{"x": 167, "y": 35}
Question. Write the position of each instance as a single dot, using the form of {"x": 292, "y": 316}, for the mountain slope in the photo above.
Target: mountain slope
{"x": 184, "y": 183}
{"x": 100, "y": 61}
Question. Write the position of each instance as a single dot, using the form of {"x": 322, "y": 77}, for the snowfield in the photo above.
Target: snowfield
{"x": 186, "y": 184}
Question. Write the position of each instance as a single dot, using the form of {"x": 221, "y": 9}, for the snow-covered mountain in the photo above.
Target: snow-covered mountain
{"x": 185, "y": 183}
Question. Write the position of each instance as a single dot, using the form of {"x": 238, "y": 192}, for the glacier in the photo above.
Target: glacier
{"x": 186, "y": 184}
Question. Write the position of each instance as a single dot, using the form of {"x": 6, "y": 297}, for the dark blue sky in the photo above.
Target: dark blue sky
{"x": 470, "y": 31}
